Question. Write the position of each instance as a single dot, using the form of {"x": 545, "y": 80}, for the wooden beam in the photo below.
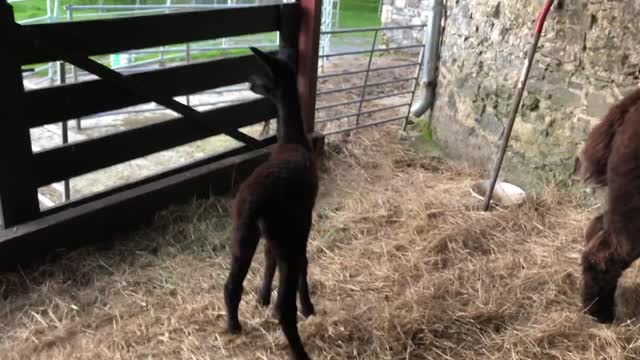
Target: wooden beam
{"x": 127, "y": 84}
{"x": 79, "y": 158}
{"x": 55, "y": 104}
{"x": 18, "y": 195}
{"x": 239, "y": 150}
{"x": 308, "y": 48}
{"x": 107, "y": 36}
{"x": 99, "y": 220}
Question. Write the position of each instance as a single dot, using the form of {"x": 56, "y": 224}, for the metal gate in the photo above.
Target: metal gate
{"x": 362, "y": 87}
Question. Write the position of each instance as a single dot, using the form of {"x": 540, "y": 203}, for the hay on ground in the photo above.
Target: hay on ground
{"x": 402, "y": 267}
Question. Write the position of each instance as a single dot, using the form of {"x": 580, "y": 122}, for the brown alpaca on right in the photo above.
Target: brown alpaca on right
{"x": 591, "y": 163}
{"x": 611, "y": 157}
{"x": 276, "y": 201}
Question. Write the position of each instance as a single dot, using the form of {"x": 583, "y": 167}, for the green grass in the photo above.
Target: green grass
{"x": 358, "y": 13}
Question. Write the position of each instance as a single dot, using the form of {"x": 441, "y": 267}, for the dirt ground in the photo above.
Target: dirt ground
{"x": 51, "y": 135}
{"x": 401, "y": 267}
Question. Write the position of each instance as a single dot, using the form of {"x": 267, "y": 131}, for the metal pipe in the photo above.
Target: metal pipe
{"x": 431, "y": 41}
{"x": 413, "y": 90}
{"x": 522, "y": 83}
{"x": 74, "y": 70}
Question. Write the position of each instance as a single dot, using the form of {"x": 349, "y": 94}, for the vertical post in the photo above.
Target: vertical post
{"x": 18, "y": 194}
{"x": 188, "y": 60}
{"x": 366, "y": 78}
{"x": 52, "y": 68}
{"x": 62, "y": 71}
{"x": 423, "y": 50}
{"x": 74, "y": 70}
{"x": 308, "y": 45}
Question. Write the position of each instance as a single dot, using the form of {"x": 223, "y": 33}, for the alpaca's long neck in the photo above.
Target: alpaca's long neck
{"x": 290, "y": 124}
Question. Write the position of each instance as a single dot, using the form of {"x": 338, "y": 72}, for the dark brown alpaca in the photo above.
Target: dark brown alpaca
{"x": 612, "y": 239}
{"x": 276, "y": 201}
{"x": 591, "y": 162}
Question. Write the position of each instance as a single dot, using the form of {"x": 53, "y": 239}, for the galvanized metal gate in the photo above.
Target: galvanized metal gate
{"x": 361, "y": 87}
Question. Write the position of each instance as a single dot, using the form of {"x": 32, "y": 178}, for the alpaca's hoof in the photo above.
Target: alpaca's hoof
{"x": 603, "y": 317}
{"x": 308, "y": 310}
{"x": 234, "y": 328}
{"x": 300, "y": 356}
{"x": 264, "y": 298}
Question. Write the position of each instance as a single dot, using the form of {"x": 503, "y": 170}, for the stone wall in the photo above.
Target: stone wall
{"x": 588, "y": 57}
{"x": 404, "y": 12}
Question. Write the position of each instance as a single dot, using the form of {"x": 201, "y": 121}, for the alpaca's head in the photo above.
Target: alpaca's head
{"x": 587, "y": 172}
{"x": 278, "y": 80}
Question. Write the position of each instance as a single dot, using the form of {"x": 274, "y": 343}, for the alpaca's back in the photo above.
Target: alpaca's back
{"x": 283, "y": 188}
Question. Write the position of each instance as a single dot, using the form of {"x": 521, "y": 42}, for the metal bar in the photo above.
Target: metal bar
{"x": 366, "y": 77}
{"x": 387, "y": 96}
{"x": 65, "y": 131}
{"x": 334, "y": 118}
{"x": 346, "y": 73}
{"x": 115, "y": 14}
{"x": 187, "y": 50}
{"x": 325, "y": 92}
{"x": 159, "y": 7}
{"x": 324, "y": 107}
{"x": 415, "y": 86}
{"x": 359, "y": 52}
{"x": 74, "y": 70}
{"x": 363, "y": 126}
{"x": 196, "y": 49}
{"x": 369, "y": 29}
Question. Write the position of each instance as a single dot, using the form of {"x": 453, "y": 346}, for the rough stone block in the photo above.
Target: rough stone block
{"x": 597, "y": 105}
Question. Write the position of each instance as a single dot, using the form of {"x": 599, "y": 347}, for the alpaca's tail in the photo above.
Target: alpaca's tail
{"x": 591, "y": 164}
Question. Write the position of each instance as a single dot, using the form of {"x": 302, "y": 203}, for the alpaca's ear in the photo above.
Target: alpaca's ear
{"x": 261, "y": 85}
{"x": 270, "y": 62}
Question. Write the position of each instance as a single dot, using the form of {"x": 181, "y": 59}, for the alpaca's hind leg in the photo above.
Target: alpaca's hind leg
{"x": 264, "y": 294}
{"x": 286, "y": 307}
{"x": 245, "y": 241}
{"x": 306, "y": 305}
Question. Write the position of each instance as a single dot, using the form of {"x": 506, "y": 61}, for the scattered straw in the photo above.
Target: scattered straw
{"x": 402, "y": 267}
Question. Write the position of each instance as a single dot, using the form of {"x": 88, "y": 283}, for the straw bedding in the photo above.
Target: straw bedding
{"x": 402, "y": 266}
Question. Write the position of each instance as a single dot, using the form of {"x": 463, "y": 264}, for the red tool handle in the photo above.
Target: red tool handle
{"x": 543, "y": 16}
